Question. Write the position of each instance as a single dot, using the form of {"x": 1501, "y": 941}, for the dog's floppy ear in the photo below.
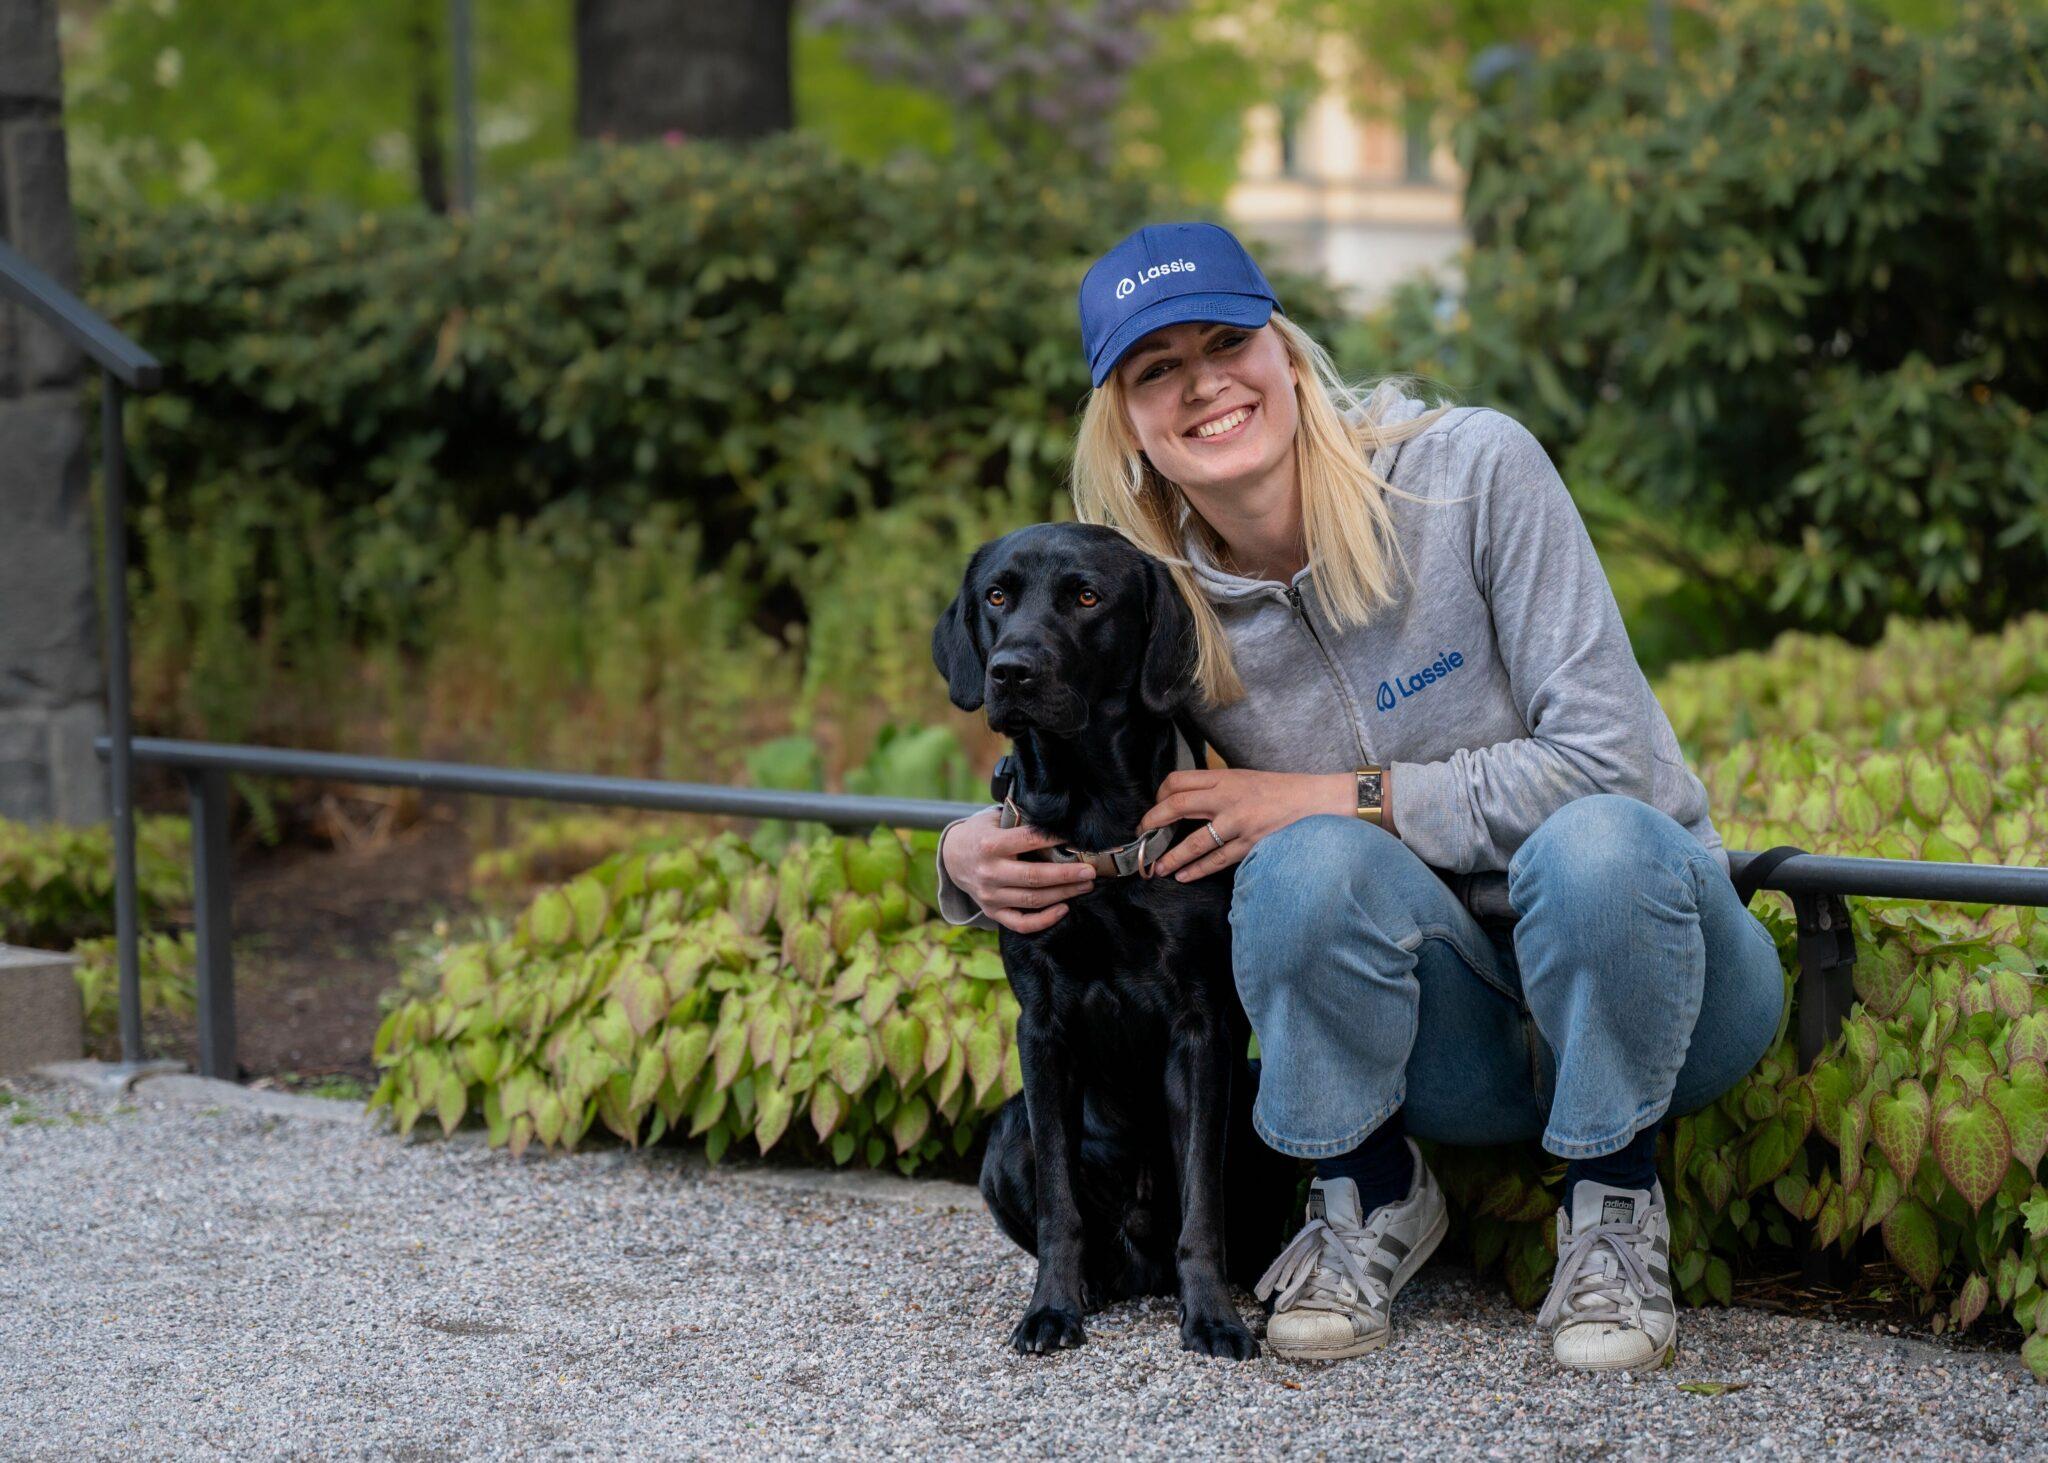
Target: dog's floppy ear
{"x": 1166, "y": 679}
{"x": 956, "y": 648}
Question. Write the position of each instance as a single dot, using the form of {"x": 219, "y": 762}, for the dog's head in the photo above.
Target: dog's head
{"x": 1056, "y": 620}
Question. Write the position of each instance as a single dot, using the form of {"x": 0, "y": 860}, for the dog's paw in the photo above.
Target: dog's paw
{"x": 1223, "y": 1336}
{"x": 1049, "y": 1328}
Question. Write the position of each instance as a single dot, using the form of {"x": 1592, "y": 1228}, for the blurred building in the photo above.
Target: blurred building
{"x": 1364, "y": 200}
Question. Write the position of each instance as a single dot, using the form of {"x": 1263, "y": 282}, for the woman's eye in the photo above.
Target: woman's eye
{"x": 995, "y": 597}
{"x": 1225, "y": 342}
{"x": 1088, "y": 599}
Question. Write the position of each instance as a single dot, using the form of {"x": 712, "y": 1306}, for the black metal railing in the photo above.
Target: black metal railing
{"x": 1819, "y": 885}
{"x": 124, "y": 367}
{"x": 205, "y": 767}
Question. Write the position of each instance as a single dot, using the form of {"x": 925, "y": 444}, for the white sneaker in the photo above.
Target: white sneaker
{"x": 1610, "y": 1307}
{"x": 1337, "y": 1279}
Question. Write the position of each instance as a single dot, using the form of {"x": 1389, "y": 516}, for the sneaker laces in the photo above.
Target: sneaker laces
{"x": 1600, "y": 1277}
{"x": 1303, "y": 1277}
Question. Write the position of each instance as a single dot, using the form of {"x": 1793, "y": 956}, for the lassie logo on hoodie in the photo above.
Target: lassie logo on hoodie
{"x": 1428, "y": 676}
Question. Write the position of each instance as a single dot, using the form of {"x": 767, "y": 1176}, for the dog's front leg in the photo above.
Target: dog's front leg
{"x": 1052, "y": 1101}
{"x": 1197, "y": 1101}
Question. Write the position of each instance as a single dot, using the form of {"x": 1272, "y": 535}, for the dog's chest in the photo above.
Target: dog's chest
{"x": 1143, "y": 942}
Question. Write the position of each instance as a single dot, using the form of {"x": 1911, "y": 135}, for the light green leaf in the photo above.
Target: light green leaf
{"x": 903, "y": 1040}
{"x": 1973, "y": 1148}
{"x": 450, "y": 1101}
{"x": 1914, "y": 1242}
{"x": 1902, "y": 1121}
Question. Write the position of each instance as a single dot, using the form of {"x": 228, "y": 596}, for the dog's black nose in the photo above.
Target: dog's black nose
{"x": 1012, "y": 671}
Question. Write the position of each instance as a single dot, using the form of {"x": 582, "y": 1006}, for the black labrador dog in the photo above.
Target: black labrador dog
{"x": 1128, "y": 1165}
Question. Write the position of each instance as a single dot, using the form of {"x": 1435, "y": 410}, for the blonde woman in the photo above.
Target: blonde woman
{"x": 1414, "y": 667}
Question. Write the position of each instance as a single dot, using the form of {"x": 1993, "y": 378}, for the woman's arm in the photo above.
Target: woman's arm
{"x": 1571, "y": 672}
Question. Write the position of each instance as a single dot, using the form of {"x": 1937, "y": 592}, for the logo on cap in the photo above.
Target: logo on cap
{"x": 1128, "y": 286}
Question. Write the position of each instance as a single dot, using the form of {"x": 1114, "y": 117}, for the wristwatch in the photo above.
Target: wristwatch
{"x": 1371, "y": 796}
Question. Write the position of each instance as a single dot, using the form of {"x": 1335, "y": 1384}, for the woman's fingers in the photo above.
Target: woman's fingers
{"x": 1029, "y": 923}
{"x": 1199, "y": 854}
{"x": 1037, "y": 885}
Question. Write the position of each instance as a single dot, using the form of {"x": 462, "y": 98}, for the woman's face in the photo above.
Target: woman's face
{"x": 1184, "y": 382}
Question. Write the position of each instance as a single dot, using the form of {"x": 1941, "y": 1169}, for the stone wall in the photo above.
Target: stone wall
{"x": 50, "y": 685}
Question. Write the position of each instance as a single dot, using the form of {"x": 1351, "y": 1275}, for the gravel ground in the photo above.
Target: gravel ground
{"x": 183, "y": 1280}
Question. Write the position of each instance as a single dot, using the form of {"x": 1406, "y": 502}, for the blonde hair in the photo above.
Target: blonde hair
{"x": 1345, "y": 518}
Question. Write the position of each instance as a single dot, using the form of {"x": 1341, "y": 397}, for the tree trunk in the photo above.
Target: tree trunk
{"x": 698, "y": 68}
{"x": 50, "y": 708}
{"x": 429, "y": 150}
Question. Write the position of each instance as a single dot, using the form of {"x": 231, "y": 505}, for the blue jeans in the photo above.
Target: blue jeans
{"x": 1634, "y": 983}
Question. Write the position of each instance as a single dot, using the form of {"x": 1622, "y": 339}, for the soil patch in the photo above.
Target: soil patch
{"x": 317, "y": 931}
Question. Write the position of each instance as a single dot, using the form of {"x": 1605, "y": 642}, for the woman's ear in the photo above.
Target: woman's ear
{"x": 956, "y": 649}
{"x": 1165, "y": 680}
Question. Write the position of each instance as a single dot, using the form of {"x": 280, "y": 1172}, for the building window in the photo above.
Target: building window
{"x": 1292, "y": 106}
{"x": 1416, "y": 125}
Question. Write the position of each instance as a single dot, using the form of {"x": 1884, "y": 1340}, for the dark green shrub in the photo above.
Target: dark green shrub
{"x": 57, "y": 883}
{"x": 1796, "y": 287}
{"x": 772, "y": 338}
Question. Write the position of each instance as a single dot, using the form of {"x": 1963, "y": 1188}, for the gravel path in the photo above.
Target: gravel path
{"x": 179, "y": 1280}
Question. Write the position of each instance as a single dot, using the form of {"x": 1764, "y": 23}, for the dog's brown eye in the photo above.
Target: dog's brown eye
{"x": 995, "y": 597}
{"x": 1088, "y": 599}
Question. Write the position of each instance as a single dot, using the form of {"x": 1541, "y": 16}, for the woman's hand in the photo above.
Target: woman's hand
{"x": 983, "y": 858}
{"x": 1243, "y": 806}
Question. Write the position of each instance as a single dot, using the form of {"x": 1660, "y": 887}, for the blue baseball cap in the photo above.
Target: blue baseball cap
{"x": 1165, "y": 274}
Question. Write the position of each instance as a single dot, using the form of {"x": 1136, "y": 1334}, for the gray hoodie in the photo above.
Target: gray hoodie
{"x": 1498, "y": 686}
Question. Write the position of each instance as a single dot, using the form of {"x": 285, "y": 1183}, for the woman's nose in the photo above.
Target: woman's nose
{"x": 1207, "y": 379}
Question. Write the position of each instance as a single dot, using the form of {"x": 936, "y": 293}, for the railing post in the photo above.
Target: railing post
{"x": 213, "y": 914}
{"x": 114, "y": 486}
{"x": 1827, "y": 967}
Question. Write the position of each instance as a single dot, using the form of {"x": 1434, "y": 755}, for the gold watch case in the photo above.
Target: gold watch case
{"x": 1371, "y": 794}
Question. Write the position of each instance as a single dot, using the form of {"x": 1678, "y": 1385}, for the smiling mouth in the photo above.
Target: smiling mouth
{"x": 1224, "y": 428}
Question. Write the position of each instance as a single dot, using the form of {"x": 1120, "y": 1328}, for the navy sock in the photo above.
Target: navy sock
{"x": 1633, "y": 1167}
{"x": 1381, "y": 1166}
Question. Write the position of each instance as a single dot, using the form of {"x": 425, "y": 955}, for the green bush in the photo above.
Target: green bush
{"x": 1792, "y": 287}
{"x": 167, "y": 964}
{"x": 701, "y": 989}
{"x": 575, "y": 476}
{"x": 772, "y": 338}
{"x": 57, "y": 883}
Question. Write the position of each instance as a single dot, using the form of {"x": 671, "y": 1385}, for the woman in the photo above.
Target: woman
{"x": 1414, "y": 667}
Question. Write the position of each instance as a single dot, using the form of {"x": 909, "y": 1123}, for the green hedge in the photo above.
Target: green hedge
{"x": 773, "y": 338}
{"x": 1795, "y": 287}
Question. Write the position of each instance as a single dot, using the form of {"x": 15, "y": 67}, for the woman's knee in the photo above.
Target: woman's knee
{"x": 1301, "y": 873}
{"x": 1597, "y": 847}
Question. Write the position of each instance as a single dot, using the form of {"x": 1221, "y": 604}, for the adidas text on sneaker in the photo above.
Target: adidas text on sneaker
{"x": 1335, "y": 1282}
{"x": 1610, "y": 1306}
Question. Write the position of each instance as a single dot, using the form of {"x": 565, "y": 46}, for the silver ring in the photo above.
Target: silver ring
{"x": 1212, "y": 833}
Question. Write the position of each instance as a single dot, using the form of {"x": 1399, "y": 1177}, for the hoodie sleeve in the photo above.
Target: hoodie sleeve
{"x": 955, "y": 903}
{"x": 1571, "y": 671}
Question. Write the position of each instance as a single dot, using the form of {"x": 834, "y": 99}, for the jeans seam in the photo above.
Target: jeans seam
{"x": 1303, "y": 1148}
{"x": 1444, "y": 935}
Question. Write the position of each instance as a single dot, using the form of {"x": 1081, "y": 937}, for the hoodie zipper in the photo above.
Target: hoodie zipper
{"x": 1294, "y": 598}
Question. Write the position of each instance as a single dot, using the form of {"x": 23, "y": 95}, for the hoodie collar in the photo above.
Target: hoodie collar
{"x": 1389, "y": 407}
